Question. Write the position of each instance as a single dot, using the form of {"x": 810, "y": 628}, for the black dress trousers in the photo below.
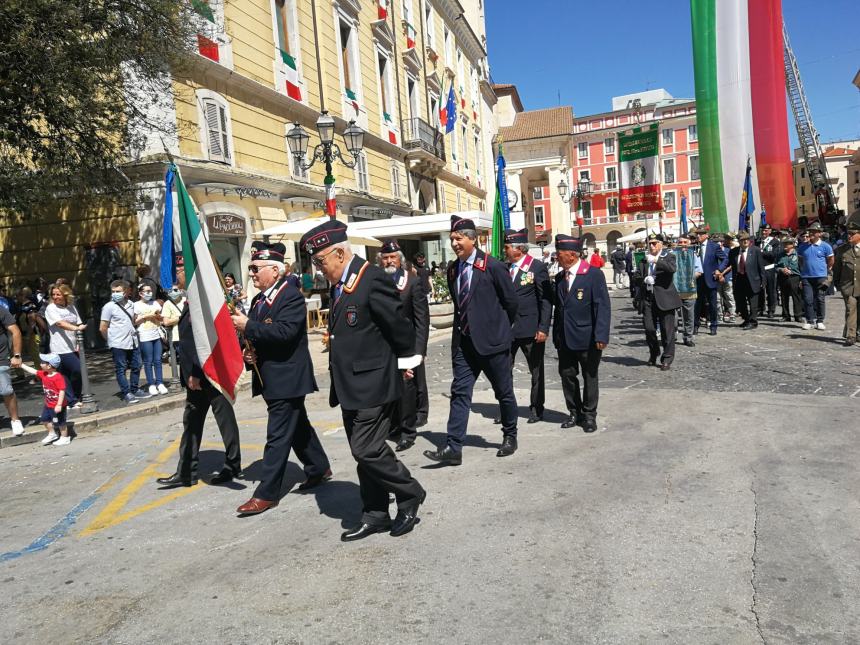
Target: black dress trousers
{"x": 197, "y": 404}
{"x": 534, "y": 352}
{"x": 747, "y": 300}
{"x": 570, "y": 365}
{"x": 379, "y": 471}
{"x": 288, "y": 427}
{"x": 668, "y": 322}
{"x": 421, "y": 388}
{"x": 407, "y": 409}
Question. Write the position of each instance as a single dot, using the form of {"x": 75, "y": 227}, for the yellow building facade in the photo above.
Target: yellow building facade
{"x": 260, "y": 67}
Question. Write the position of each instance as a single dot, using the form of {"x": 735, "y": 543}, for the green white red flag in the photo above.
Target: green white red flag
{"x": 640, "y": 177}
{"x": 214, "y": 336}
{"x": 330, "y": 200}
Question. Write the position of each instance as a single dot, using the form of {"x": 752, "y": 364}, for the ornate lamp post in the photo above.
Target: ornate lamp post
{"x": 583, "y": 189}
{"x": 326, "y": 151}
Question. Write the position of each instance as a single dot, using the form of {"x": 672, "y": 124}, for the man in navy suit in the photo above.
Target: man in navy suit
{"x": 276, "y": 328}
{"x": 714, "y": 260}
{"x": 580, "y": 330}
{"x": 747, "y": 264}
{"x": 485, "y": 308}
{"x": 531, "y": 327}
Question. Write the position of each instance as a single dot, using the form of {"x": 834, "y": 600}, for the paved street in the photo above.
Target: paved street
{"x": 717, "y": 504}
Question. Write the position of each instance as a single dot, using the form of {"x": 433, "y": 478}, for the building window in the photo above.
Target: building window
{"x": 611, "y": 178}
{"x": 803, "y": 209}
{"x": 694, "y": 168}
{"x": 803, "y": 191}
{"x": 430, "y": 25}
{"x": 395, "y": 180}
{"x": 537, "y": 192}
{"x": 444, "y": 206}
{"x": 463, "y": 139}
{"x": 612, "y": 209}
{"x": 449, "y": 42}
{"x": 459, "y": 201}
{"x": 586, "y": 212}
{"x": 695, "y": 198}
{"x": 215, "y": 126}
{"x": 668, "y": 137}
{"x": 803, "y": 173}
{"x": 386, "y": 94}
{"x": 361, "y": 173}
{"x": 582, "y": 150}
{"x": 584, "y": 175}
{"x": 435, "y": 119}
{"x": 351, "y": 77}
{"x": 693, "y": 132}
{"x": 478, "y": 164}
{"x": 539, "y": 216}
{"x": 669, "y": 201}
{"x": 668, "y": 171}
{"x": 609, "y": 146}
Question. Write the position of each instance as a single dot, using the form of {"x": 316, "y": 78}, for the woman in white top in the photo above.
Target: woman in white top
{"x": 147, "y": 319}
{"x": 63, "y": 321}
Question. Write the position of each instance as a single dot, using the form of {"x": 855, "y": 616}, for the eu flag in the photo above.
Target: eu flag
{"x": 450, "y": 111}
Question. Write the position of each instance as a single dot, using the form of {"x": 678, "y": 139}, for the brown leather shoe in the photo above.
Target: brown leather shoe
{"x": 316, "y": 480}
{"x": 255, "y": 505}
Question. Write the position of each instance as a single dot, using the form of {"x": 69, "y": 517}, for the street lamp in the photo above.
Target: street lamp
{"x": 583, "y": 189}
{"x": 326, "y": 151}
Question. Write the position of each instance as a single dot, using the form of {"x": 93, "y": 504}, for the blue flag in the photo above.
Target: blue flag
{"x": 502, "y": 188}
{"x": 747, "y": 202}
{"x": 684, "y": 225}
{"x": 763, "y": 218}
{"x": 168, "y": 268}
{"x": 450, "y": 110}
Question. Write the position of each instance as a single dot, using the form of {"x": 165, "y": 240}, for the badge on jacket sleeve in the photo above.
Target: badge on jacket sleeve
{"x": 352, "y": 315}
{"x": 580, "y": 294}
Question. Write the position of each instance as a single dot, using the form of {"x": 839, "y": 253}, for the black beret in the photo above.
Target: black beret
{"x": 461, "y": 224}
{"x": 517, "y": 237}
{"x": 567, "y": 243}
{"x": 262, "y": 251}
{"x": 390, "y": 246}
{"x": 323, "y": 236}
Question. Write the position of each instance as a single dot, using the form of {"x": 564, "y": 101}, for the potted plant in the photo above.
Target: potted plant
{"x": 441, "y": 306}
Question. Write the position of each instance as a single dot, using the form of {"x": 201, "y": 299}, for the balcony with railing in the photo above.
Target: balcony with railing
{"x": 424, "y": 144}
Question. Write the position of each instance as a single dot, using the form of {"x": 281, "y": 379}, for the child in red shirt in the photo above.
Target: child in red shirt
{"x": 54, "y": 386}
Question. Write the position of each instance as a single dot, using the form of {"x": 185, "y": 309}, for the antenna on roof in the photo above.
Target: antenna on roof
{"x": 559, "y": 95}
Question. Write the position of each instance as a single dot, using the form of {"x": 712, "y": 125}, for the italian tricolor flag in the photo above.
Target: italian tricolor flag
{"x": 381, "y": 9}
{"x": 640, "y": 171}
{"x": 214, "y": 336}
{"x": 292, "y": 76}
{"x": 741, "y": 108}
{"x": 330, "y": 201}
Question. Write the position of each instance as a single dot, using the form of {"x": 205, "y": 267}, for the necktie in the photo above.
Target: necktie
{"x": 463, "y": 297}
{"x": 702, "y": 250}
{"x": 565, "y": 283}
{"x": 742, "y": 264}
{"x": 513, "y": 271}
{"x": 338, "y": 289}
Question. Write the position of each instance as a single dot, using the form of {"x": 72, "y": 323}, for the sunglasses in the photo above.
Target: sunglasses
{"x": 253, "y": 268}
{"x": 318, "y": 262}
{"x": 653, "y": 242}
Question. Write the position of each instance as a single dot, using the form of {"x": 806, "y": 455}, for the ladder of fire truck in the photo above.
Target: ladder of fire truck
{"x": 807, "y": 135}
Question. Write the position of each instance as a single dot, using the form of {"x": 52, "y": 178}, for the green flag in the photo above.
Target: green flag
{"x": 498, "y": 239}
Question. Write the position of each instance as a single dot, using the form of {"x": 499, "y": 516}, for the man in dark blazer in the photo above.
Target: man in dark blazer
{"x": 771, "y": 251}
{"x": 485, "y": 308}
{"x": 660, "y": 300}
{"x": 200, "y": 395}
{"x": 417, "y": 311}
{"x": 580, "y": 330}
{"x": 747, "y": 263}
{"x": 276, "y": 328}
{"x": 714, "y": 259}
{"x": 368, "y": 333}
{"x": 531, "y": 327}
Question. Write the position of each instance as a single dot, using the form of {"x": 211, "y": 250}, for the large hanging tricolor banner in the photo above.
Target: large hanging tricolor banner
{"x": 638, "y": 156}
{"x": 741, "y": 107}
{"x": 214, "y": 336}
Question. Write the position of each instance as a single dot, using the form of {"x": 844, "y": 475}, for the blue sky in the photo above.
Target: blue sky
{"x": 570, "y": 52}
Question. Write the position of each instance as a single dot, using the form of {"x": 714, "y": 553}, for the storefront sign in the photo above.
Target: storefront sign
{"x": 226, "y": 225}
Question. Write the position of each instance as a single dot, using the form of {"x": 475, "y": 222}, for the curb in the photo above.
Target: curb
{"x": 100, "y": 421}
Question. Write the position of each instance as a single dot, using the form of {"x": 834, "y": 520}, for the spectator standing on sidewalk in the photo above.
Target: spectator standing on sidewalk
{"x": 689, "y": 270}
{"x": 147, "y": 319}
{"x": 618, "y": 267}
{"x": 117, "y": 327}
{"x": 235, "y": 292}
{"x": 144, "y": 276}
{"x": 27, "y": 309}
{"x": 63, "y": 321}
{"x": 816, "y": 260}
{"x": 846, "y": 277}
{"x": 10, "y": 330}
{"x": 54, "y": 412}
{"x": 788, "y": 278}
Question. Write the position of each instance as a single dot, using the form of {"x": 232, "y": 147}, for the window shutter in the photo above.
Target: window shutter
{"x": 225, "y": 142}
{"x": 213, "y": 130}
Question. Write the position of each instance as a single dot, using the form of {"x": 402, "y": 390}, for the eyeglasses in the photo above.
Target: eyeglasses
{"x": 318, "y": 262}
{"x": 254, "y": 268}
{"x": 653, "y": 242}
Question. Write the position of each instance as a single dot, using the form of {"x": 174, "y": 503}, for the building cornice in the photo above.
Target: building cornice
{"x": 453, "y": 14}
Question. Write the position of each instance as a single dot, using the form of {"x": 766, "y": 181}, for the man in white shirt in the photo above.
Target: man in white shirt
{"x": 117, "y": 327}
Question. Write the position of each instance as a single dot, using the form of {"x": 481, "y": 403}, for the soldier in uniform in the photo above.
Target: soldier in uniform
{"x": 276, "y": 328}
{"x": 200, "y": 395}
{"x": 771, "y": 251}
{"x": 531, "y": 327}
{"x": 485, "y": 308}
{"x": 580, "y": 330}
{"x": 368, "y": 333}
{"x": 660, "y": 300}
{"x": 417, "y": 311}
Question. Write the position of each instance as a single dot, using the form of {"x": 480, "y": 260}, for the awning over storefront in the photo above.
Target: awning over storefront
{"x": 672, "y": 230}
{"x": 294, "y": 230}
{"x": 434, "y": 224}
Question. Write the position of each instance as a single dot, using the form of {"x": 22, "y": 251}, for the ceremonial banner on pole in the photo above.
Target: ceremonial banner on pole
{"x": 502, "y": 189}
{"x": 330, "y": 201}
{"x": 214, "y": 336}
{"x": 638, "y": 152}
{"x": 167, "y": 264}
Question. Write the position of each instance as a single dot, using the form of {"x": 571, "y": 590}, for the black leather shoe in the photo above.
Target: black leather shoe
{"x": 406, "y": 518}
{"x": 404, "y": 444}
{"x": 362, "y": 531}
{"x": 690, "y": 343}
{"x": 534, "y": 417}
{"x": 665, "y": 367}
{"x": 652, "y": 362}
{"x": 713, "y": 331}
{"x": 446, "y": 456}
{"x": 226, "y": 475}
{"x": 497, "y": 421}
{"x": 746, "y": 325}
{"x": 420, "y": 421}
{"x": 509, "y": 447}
{"x": 589, "y": 426}
{"x": 175, "y": 480}
{"x": 753, "y": 325}
{"x": 316, "y": 480}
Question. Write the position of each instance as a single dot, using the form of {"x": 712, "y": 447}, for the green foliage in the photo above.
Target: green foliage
{"x": 77, "y": 84}
{"x": 440, "y": 288}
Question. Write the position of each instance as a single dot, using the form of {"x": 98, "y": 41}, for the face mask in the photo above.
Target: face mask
{"x": 146, "y": 296}
{"x": 175, "y": 294}
{"x": 117, "y": 297}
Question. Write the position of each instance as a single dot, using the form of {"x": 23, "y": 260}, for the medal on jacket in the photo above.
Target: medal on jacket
{"x": 580, "y": 294}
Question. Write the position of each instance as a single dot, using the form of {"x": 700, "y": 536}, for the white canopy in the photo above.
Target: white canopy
{"x": 434, "y": 223}
{"x": 294, "y": 231}
{"x": 673, "y": 230}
